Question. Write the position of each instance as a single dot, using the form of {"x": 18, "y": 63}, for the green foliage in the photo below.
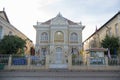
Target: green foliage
{"x": 74, "y": 55}
{"x": 11, "y": 44}
{"x": 111, "y": 43}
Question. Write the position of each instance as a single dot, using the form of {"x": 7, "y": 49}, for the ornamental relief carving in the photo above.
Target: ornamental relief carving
{"x": 59, "y": 21}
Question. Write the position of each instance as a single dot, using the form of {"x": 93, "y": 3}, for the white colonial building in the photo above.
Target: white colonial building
{"x": 58, "y": 38}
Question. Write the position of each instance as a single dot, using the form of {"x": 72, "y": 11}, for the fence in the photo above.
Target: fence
{"x": 94, "y": 63}
{"x": 113, "y": 61}
{"x": 22, "y": 62}
{"x": 77, "y": 61}
{"x": 74, "y": 62}
{"x": 19, "y": 60}
{"x": 4, "y": 59}
{"x": 97, "y": 61}
{"x": 37, "y": 61}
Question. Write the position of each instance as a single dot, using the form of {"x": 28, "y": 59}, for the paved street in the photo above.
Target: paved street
{"x": 59, "y": 75}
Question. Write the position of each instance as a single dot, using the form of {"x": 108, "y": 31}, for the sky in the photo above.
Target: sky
{"x": 23, "y": 14}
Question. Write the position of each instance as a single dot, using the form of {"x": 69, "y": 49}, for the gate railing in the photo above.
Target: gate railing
{"x": 4, "y": 59}
{"x": 37, "y": 61}
{"x": 97, "y": 61}
{"x": 14, "y": 60}
{"x": 18, "y": 60}
{"x": 77, "y": 60}
{"x": 114, "y": 61}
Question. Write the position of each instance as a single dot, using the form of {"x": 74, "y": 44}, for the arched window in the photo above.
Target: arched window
{"x": 44, "y": 36}
{"x": 0, "y": 32}
{"x": 59, "y": 36}
{"x": 74, "y": 37}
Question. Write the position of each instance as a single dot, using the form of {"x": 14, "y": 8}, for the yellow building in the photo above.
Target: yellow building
{"x": 6, "y": 28}
{"x": 111, "y": 28}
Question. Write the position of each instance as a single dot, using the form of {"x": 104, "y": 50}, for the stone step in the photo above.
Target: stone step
{"x": 58, "y": 66}
{"x": 58, "y": 70}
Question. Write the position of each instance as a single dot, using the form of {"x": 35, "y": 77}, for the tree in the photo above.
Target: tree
{"x": 32, "y": 51}
{"x": 11, "y": 44}
{"x": 111, "y": 43}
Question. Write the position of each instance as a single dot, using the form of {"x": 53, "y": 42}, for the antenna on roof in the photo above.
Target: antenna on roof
{"x": 59, "y": 14}
{"x": 3, "y": 9}
{"x": 80, "y": 23}
{"x": 37, "y": 22}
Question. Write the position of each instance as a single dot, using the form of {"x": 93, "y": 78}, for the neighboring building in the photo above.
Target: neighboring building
{"x": 6, "y": 28}
{"x": 58, "y": 37}
{"x": 111, "y": 28}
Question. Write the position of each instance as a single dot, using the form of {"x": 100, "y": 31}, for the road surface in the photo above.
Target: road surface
{"x": 59, "y": 75}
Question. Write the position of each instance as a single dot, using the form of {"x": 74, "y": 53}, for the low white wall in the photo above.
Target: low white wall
{"x": 23, "y": 67}
{"x": 97, "y": 67}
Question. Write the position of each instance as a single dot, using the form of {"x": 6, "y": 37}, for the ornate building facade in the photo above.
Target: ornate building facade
{"x": 58, "y": 37}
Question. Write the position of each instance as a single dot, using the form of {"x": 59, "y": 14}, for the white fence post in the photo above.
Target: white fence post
{"x": 106, "y": 61}
{"x": 70, "y": 61}
{"x": 47, "y": 62}
{"x": 118, "y": 61}
{"x": 28, "y": 61}
{"x": 88, "y": 61}
{"x": 10, "y": 61}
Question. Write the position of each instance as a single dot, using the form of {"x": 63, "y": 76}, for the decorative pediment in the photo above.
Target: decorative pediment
{"x": 59, "y": 20}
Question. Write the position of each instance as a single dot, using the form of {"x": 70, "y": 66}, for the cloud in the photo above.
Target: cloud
{"x": 23, "y": 13}
{"x": 43, "y": 3}
{"x": 92, "y": 6}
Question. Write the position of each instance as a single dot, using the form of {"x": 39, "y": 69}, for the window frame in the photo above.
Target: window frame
{"x": 74, "y": 37}
{"x": 44, "y": 37}
{"x": 1, "y": 32}
{"x": 59, "y": 36}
